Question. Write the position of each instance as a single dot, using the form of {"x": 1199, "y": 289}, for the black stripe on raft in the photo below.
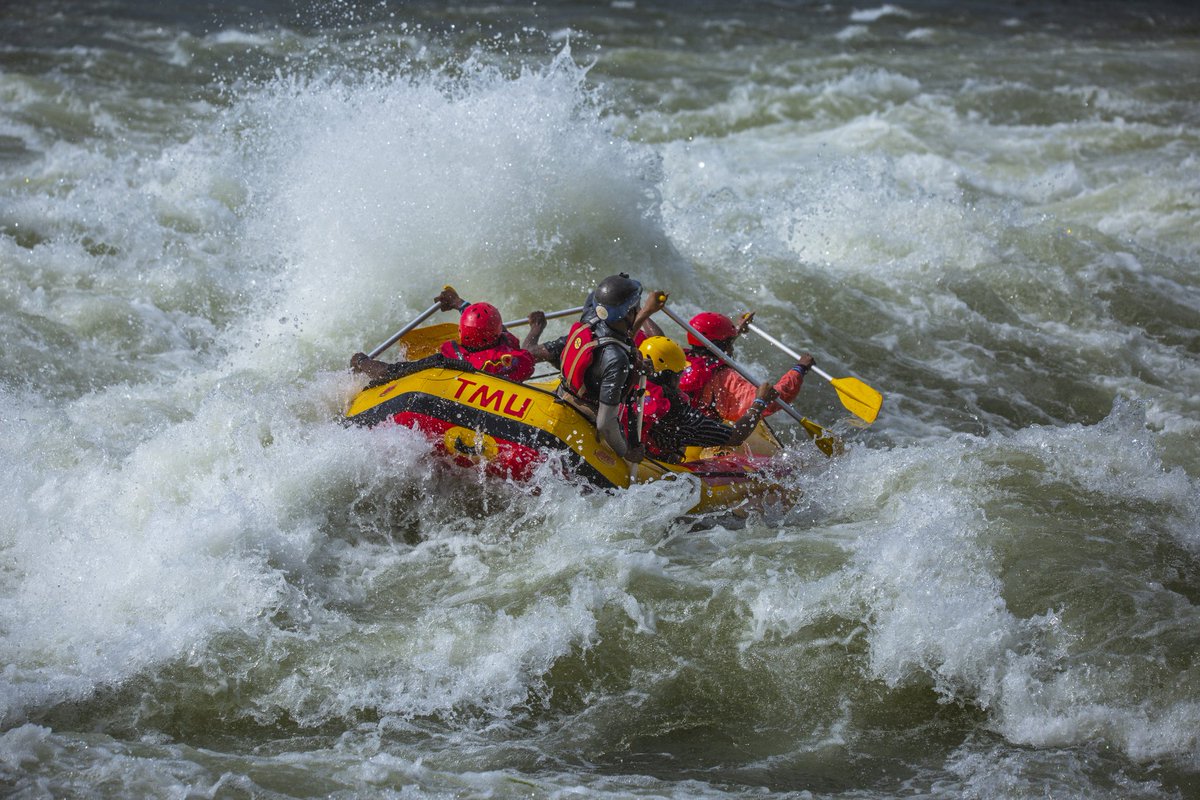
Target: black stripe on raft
{"x": 476, "y": 419}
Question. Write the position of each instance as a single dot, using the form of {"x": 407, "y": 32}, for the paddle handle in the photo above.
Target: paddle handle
{"x": 566, "y": 312}
{"x": 787, "y": 350}
{"x": 641, "y": 423}
{"x": 395, "y": 337}
{"x": 719, "y": 353}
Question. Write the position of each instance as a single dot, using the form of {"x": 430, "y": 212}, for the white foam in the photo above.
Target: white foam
{"x": 876, "y": 14}
{"x": 926, "y": 581}
{"x": 852, "y": 32}
{"x": 379, "y": 194}
{"x": 121, "y": 564}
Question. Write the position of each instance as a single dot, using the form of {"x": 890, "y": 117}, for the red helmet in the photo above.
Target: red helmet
{"x": 480, "y": 326}
{"x": 717, "y": 328}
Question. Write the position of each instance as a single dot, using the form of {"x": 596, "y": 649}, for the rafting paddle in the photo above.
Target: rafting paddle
{"x": 858, "y": 398}
{"x": 825, "y": 441}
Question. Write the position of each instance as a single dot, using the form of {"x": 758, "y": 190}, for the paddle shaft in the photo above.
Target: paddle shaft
{"x": 395, "y": 337}
{"x": 787, "y": 350}
{"x": 719, "y": 353}
{"x": 566, "y": 312}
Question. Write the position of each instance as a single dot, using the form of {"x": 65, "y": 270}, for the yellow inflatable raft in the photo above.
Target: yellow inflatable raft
{"x": 474, "y": 417}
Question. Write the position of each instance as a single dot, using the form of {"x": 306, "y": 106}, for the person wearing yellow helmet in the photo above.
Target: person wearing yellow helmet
{"x": 663, "y": 354}
{"x": 670, "y": 423}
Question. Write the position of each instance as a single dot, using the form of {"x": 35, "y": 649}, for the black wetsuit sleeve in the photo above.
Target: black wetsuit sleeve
{"x": 554, "y": 349}
{"x": 611, "y": 371}
{"x": 684, "y": 426}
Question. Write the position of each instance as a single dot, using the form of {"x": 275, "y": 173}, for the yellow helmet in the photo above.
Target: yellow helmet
{"x": 663, "y": 354}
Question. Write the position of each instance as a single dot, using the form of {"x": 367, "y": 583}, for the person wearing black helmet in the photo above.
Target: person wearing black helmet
{"x": 596, "y": 358}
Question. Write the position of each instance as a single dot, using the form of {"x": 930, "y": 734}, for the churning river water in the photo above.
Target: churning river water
{"x": 210, "y": 588}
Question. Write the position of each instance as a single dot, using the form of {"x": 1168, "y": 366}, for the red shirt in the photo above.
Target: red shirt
{"x": 728, "y": 395}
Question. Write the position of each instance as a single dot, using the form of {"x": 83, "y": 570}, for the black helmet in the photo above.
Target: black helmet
{"x": 615, "y": 295}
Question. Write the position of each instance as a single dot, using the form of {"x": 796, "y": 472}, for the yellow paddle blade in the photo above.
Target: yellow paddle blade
{"x": 825, "y": 441}
{"x": 424, "y": 342}
{"x": 860, "y": 399}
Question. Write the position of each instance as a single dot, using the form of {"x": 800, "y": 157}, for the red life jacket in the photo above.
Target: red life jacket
{"x": 701, "y": 369}
{"x": 505, "y": 358}
{"x": 657, "y": 405}
{"x": 655, "y": 408}
{"x": 578, "y": 354}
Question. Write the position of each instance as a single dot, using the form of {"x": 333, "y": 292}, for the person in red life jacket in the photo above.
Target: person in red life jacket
{"x": 483, "y": 342}
{"x": 717, "y": 389}
{"x": 597, "y": 359}
{"x": 450, "y": 300}
{"x": 670, "y": 423}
